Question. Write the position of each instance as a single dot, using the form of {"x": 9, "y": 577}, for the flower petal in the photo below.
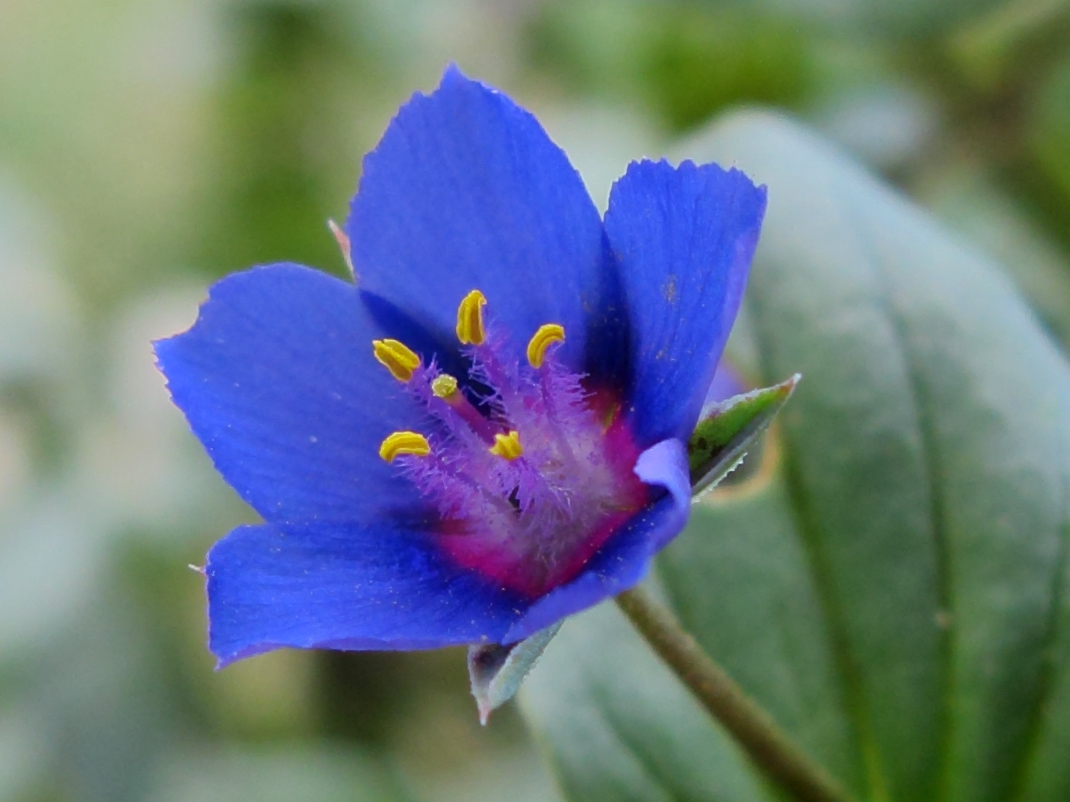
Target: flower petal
{"x": 278, "y": 381}
{"x": 683, "y": 238}
{"x": 666, "y": 464}
{"x": 624, "y": 561}
{"x": 343, "y": 587}
{"x": 466, "y": 191}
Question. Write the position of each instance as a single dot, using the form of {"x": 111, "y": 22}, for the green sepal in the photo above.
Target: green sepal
{"x": 497, "y": 671}
{"x": 728, "y": 429}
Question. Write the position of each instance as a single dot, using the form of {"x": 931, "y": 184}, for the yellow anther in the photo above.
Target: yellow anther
{"x": 547, "y": 335}
{"x": 400, "y": 443}
{"x": 444, "y": 386}
{"x": 507, "y": 446}
{"x": 397, "y": 357}
{"x": 470, "y": 319}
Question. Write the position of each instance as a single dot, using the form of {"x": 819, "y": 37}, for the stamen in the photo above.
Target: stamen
{"x": 507, "y": 446}
{"x": 532, "y": 510}
{"x": 444, "y": 386}
{"x": 547, "y": 335}
{"x": 396, "y": 357}
{"x": 399, "y": 443}
{"x": 470, "y": 329}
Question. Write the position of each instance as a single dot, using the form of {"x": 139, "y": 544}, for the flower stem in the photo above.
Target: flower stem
{"x": 768, "y": 746}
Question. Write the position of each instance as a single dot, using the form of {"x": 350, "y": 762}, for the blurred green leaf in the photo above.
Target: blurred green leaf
{"x": 891, "y": 587}
{"x": 588, "y": 42}
{"x": 52, "y": 562}
{"x": 24, "y": 756}
{"x": 969, "y": 200}
{"x": 880, "y": 18}
{"x": 1048, "y": 140}
{"x": 276, "y": 774}
{"x": 1010, "y": 41}
{"x": 885, "y": 124}
{"x": 39, "y": 317}
{"x": 696, "y": 60}
{"x": 684, "y": 59}
{"x": 280, "y": 141}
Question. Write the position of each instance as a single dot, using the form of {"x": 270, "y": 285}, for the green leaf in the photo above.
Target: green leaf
{"x": 728, "y": 429}
{"x": 1047, "y": 127}
{"x": 877, "y": 18}
{"x": 273, "y": 774}
{"x": 619, "y": 728}
{"x": 724, "y": 434}
{"x": 890, "y": 584}
{"x": 970, "y": 200}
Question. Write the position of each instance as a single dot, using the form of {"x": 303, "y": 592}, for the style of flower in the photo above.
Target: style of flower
{"x": 485, "y": 431}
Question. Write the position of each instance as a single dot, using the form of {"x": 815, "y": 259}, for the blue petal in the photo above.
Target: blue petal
{"x": 343, "y": 587}
{"x": 466, "y": 191}
{"x": 683, "y": 238}
{"x": 278, "y": 381}
{"x": 624, "y": 561}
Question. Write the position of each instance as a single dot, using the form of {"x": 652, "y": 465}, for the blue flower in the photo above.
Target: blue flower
{"x": 484, "y": 432}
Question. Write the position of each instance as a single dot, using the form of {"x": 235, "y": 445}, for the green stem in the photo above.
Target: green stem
{"x": 768, "y": 746}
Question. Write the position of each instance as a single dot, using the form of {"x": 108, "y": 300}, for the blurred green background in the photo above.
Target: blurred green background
{"x": 147, "y": 148}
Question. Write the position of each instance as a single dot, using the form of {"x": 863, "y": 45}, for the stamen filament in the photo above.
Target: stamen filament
{"x": 564, "y": 449}
{"x": 549, "y": 334}
{"x": 444, "y": 386}
{"x": 486, "y": 494}
{"x": 524, "y": 511}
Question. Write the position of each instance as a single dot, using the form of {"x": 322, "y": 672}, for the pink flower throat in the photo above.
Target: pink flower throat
{"x": 531, "y": 479}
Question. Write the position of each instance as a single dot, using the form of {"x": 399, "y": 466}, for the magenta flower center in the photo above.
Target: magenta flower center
{"x": 530, "y": 471}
